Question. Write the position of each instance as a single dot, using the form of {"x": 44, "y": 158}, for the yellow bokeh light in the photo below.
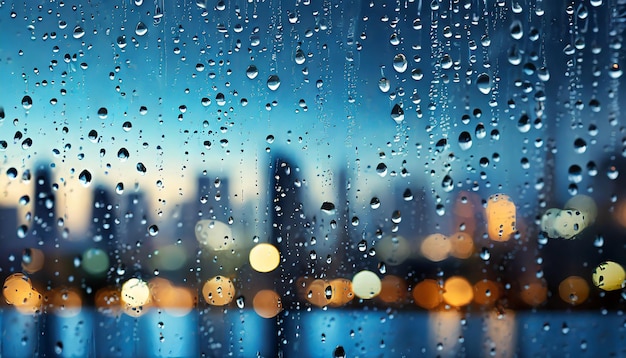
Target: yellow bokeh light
{"x": 574, "y": 290}
{"x": 585, "y": 204}
{"x": 267, "y": 303}
{"x": 461, "y": 245}
{"x": 436, "y": 247}
{"x": 218, "y": 291}
{"x": 135, "y": 293}
{"x": 264, "y": 257}
{"x": 393, "y": 289}
{"x": 427, "y": 294}
{"x": 366, "y": 284}
{"x": 457, "y": 291}
{"x": 17, "y": 289}
{"x": 609, "y": 276}
{"x": 501, "y": 216}
{"x": 486, "y": 292}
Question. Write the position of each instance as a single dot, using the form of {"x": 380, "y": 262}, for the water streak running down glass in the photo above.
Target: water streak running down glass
{"x": 312, "y": 178}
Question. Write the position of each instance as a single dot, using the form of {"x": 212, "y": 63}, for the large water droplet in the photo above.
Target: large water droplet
{"x": 78, "y": 32}
{"x": 85, "y": 177}
{"x": 27, "y": 102}
{"x": 381, "y": 169}
{"x": 447, "y": 184}
{"x": 483, "y": 82}
{"x": 153, "y": 230}
{"x": 400, "y": 63}
{"x": 300, "y": 57}
{"x": 273, "y": 82}
{"x": 384, "y": 85}
{"x": 465, "y": 140}
{"x": 141, "y": 29}
{"x": 397, "y": 114}
{"x": 252, "y": 72}
{"x": 328, "y": 208}
{"x": 517, "y": 31}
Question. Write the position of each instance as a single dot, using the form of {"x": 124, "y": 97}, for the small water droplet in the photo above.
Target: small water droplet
{"x": 485, "y": 255}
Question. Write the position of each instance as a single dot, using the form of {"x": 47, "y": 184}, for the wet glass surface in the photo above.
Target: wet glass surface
{"x": 312, "y": 178}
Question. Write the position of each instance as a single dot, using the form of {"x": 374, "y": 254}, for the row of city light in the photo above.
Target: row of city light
{"x": 136, "y": 297}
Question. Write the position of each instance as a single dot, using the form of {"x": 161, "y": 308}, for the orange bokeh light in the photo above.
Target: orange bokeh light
{"x": 574, "y": 290}
{"x": 501, "y": 216}
{"x": 394, "y": 289}
{"x": 341, "y": 292}
{"x": 462, "y": 245}
{"x": 108, "y": 302}
{"x": 267, "y": 303}
{"x": 486, "y": 292}
{"x": 534, "y": 293}
{"x": 428, "y": 294}
{"x": 64, "y": 302}
{"x": 457, "y": 291}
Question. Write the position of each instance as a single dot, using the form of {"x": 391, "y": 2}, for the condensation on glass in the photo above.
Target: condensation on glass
{"x": 312, "y": 178}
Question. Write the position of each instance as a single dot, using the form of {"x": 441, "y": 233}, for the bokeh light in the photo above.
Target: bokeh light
{"x": 584, "y": 204}
{"x": 428, "y": 294}
{"x": 174, "y": 300}
{"x": 461, "y": 245}
{"x": 64, "y": 302}
{"x": 214, "y": 235}
{"x": 19, "y": 292}
{"x": 393, "y": 250}
{"x": 95, "y": 262}
{"x": 169, "y": 258}
{"x": 267, "y": 303}
{"x": 319, "y": 292}
{"x": 342, "y": 292}
{"x": 108, "y": 301}
{"x": 366, "y": 284}
{"x": 457, "y": 291}
{"x": 486, "y": 292}
{"x": 264, "y": 257}
{"x": 574, "y": 290}
{"x": 218, "y": 291}
{"x": 436, "y": 247}
{"x": 501, "y": 217}
{"x": 393, "y": 289}
{"x": 609, "y": 276}
{"x": 534, "y": 293}
{"x": 135, "y": 293}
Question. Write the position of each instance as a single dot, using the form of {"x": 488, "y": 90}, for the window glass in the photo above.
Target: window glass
{"x": 312, "y": 178}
